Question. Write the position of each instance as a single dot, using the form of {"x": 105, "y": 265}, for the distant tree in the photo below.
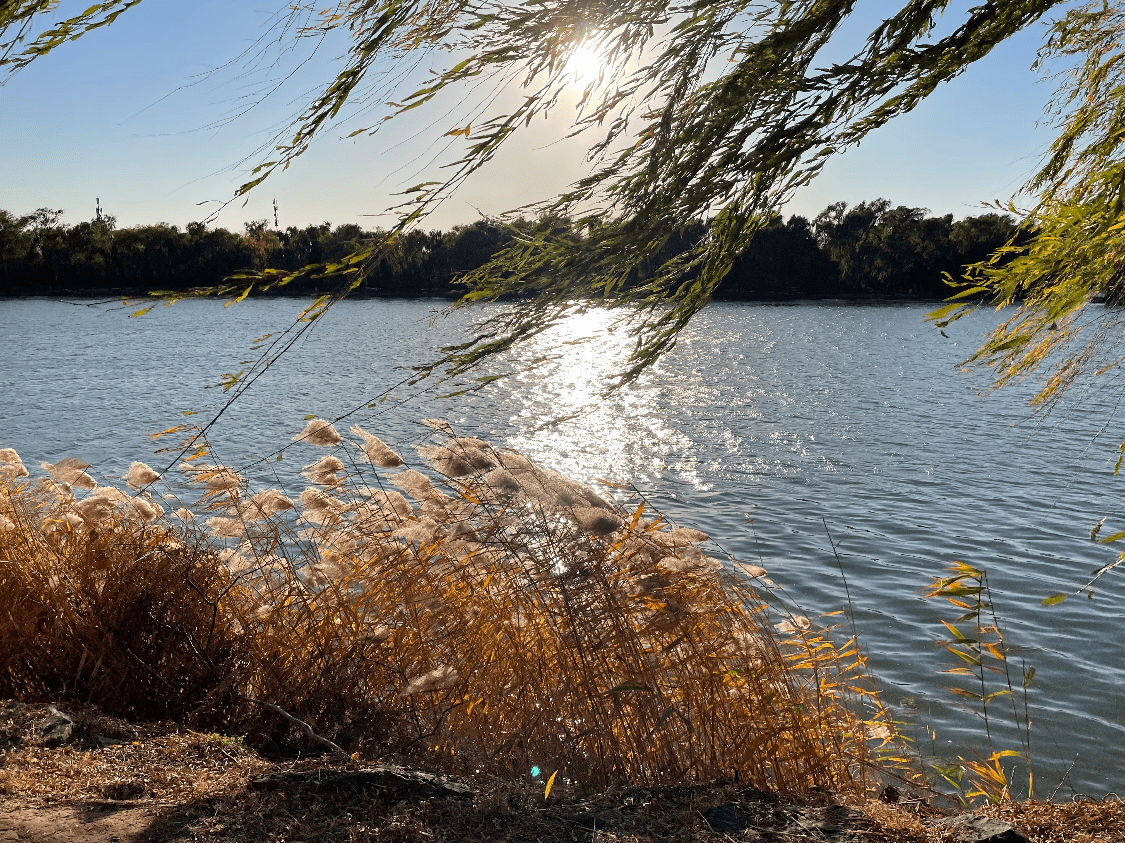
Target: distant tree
{"x": 15, "y": 243}
{"x": 973, "y": 239}
{"x": 783, "y": 261}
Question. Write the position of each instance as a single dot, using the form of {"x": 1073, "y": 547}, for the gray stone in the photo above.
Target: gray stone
{"x": 973, "y": 828}
{"x": 56, "y": 728}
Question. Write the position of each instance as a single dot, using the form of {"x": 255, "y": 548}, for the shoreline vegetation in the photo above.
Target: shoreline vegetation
{"x": 869, "y": 251}
{"x": 478, "y": 650}
{"x": 501, "y": 620}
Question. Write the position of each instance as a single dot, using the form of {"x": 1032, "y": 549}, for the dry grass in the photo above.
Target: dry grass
{"x": 502, "y": 619}
{"x": 161, "y": 783}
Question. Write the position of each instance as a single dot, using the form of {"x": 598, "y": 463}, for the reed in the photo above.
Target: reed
{"x": 486, "y": 614}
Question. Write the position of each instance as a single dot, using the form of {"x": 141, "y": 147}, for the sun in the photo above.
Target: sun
{"x": 585, "y": 67}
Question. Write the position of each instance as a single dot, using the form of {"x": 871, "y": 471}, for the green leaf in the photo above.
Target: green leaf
{"x": 1098, "y": 527}
{"x": 1053, "y": 600}
{"x": 960, "y": 636}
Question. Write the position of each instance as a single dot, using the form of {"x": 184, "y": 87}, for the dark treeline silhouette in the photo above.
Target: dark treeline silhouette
{"x": 870, "y": 250}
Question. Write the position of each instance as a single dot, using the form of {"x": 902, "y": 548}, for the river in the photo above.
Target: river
{"x": 766, "y": 425}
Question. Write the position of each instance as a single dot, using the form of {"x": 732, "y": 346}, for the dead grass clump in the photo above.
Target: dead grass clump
{"x": 101, "y": 601}
{"x": 511, "y": 618}
{"x": 1080, "y": 821}
{"x": 109, "y": 759}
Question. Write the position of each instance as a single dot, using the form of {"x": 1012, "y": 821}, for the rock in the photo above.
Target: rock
{"x": 56, "y": 728}
{"x": 973, "y": 828}
{"x": 726, "y": 817}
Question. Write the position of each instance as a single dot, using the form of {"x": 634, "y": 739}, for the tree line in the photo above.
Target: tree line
{"x": 870, "y": 250}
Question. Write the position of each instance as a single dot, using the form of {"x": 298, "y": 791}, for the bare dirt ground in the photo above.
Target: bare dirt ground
{"x": 69, "y": 774}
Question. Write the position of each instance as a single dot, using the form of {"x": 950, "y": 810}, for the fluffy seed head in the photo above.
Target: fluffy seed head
{"x": 140, "y": 474}
{"x": 268, "y": 502}
{"x": 417, "y": 485}
{"x": 752, "y": 570}
{"x": 502, "y": 481}
{"x": 319, "y": 432}
{"x": 216, "y": 477}
{"x": 417, "y": 531}
{"x": 595, "y": 521}
{"x": 146, "y": 508}
{"x": 96, "y": 508}
{"x": 455, "y": 462}
{"x": 686, "y": 535}
{"x": 436, "y": 680}
{"x": 794, "y": 624}
{"x": 321, "y": 508}
{"x": 376, "y": 450}
{"x": 468, "y": 442}
{"x": 323, "y": 472}
{"x": 71, "y": 471}
{"x": 225, "y": 528}
{"x": 391, "y": 501}
{"x": 11, "y": 466}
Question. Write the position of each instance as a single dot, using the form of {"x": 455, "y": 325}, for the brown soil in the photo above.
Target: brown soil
{"x": 108, "y": 781}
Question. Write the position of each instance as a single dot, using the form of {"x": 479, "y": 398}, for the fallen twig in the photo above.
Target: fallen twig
{"x": 305, "y": 727}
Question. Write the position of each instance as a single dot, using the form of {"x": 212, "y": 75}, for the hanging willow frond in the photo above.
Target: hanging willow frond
{"x": 707, "y": 109}
{"x": 1073, "y": 249}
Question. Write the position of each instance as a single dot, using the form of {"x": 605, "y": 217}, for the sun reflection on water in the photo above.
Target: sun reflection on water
{"x": 563, "y": 420}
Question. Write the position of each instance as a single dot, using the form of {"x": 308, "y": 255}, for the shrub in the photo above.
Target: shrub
{"x": 503, "y": 618}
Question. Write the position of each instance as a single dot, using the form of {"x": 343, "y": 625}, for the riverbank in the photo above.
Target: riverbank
{"x": 69, "y": 772}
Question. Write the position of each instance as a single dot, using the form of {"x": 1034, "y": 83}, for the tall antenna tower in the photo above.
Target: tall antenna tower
{"x": 98, "y": 209}
{"x": 276, "y": 225}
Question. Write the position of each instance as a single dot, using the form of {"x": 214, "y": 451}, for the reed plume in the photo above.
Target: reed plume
{"x": 500, "y": 617}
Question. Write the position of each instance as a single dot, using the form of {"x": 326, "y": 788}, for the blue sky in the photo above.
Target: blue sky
{"x": 126, "y": 114}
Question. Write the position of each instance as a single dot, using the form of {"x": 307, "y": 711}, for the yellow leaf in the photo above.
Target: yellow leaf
{"x": 550, "y": 782}
{"x": 637, "y": 516}
{"x": 141, "y": 312}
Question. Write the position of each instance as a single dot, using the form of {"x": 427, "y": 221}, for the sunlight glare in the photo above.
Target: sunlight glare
{"x": 571, "y": 427}
{"x": 585, "y": 67}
